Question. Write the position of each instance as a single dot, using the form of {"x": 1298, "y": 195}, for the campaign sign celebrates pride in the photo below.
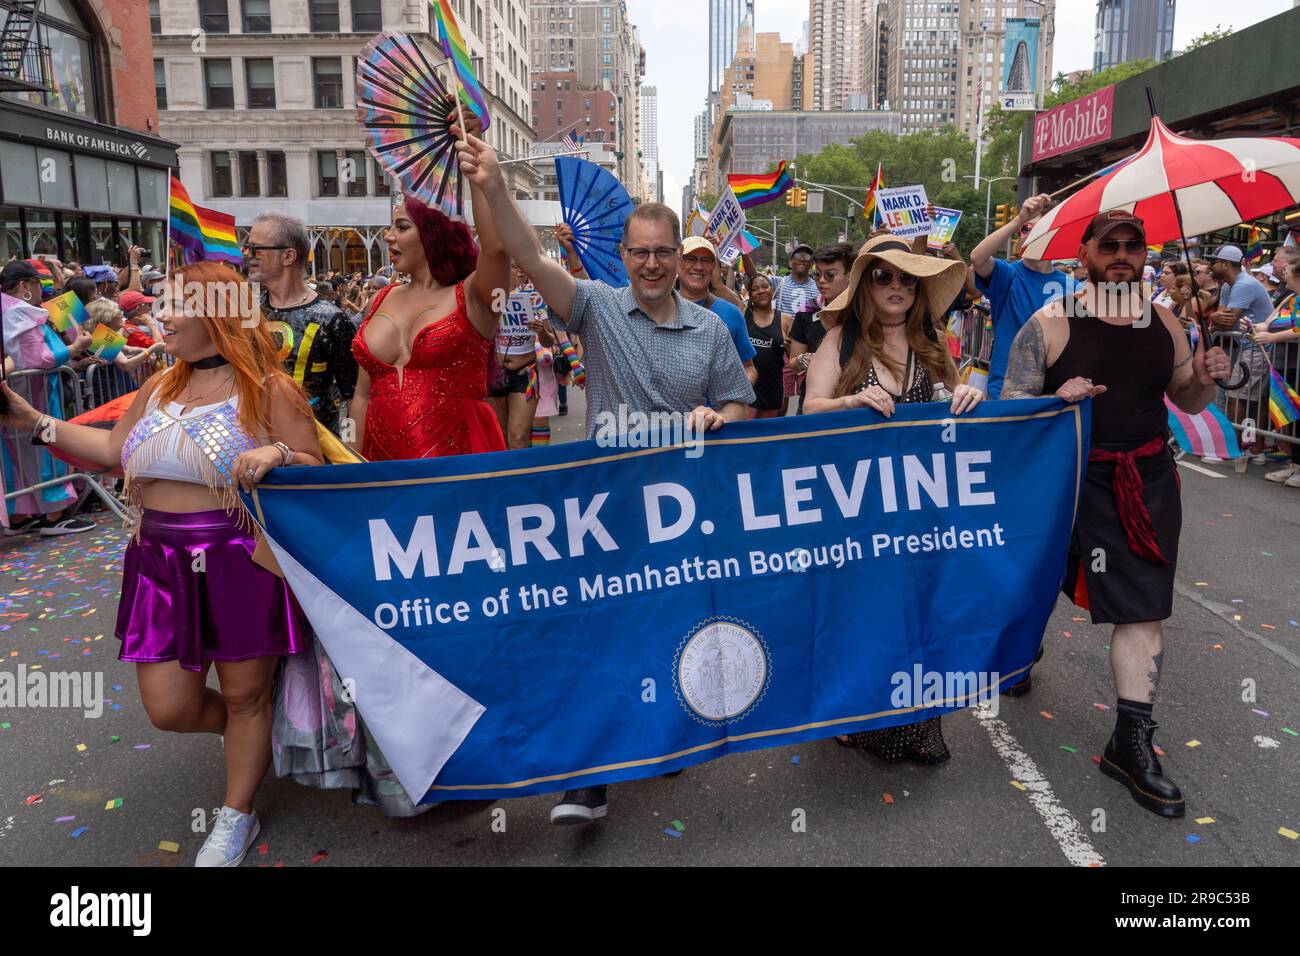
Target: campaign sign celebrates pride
{"x": 902, "y": 211}
{"x": 944, "y": 228}
{"x": 514, "y": 337}
{"x": 727, "y": 221}
{"x": 526, "y": 622}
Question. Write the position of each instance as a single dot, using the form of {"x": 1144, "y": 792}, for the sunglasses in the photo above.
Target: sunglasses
{"x": 252, "y": 249}
{"x": 1108, "y": 247}
{"x": 884, "y": 278}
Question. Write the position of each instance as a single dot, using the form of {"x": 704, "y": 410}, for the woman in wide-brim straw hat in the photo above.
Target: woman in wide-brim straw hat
{"x": 884, "y": 347}
{"x": 884, "y": 343}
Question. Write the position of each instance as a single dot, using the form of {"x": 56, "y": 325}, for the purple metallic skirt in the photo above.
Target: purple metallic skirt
{"x": 191, "y": 592}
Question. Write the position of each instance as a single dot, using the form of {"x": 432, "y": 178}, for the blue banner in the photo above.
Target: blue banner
{"x": 527, "y": 622}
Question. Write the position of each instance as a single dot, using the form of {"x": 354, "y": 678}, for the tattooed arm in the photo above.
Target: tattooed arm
{"x": 1028, "y": 363}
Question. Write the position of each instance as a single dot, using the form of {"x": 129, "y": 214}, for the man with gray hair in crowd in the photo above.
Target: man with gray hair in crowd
{"x": 315, "y": 334}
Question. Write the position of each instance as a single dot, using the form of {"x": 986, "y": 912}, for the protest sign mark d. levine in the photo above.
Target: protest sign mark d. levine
{"x": 502, "y": 611}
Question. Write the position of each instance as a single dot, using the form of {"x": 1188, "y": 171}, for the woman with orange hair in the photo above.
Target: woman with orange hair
{"x": 221, "y": 418}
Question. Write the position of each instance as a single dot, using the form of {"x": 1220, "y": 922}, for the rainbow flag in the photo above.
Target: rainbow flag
{"x": 1286, "y": 321}
{"x": 1254, "y": 244}
{"x": 1283, "y": 402}
{"x": 1206, "y": 433}
{"x": 65, "y": 311}
{"x": 753, "y": 191}
{"x": 204, "y": 234}
{"x": 869, "y": 204}
{"x": 106, "y": 343}
{"x": 454, "y": 49}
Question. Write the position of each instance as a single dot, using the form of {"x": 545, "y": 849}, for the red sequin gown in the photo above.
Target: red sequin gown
{"x": 439, "y": 408}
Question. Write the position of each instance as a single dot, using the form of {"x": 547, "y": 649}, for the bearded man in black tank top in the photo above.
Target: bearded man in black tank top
{"x": 1111, "y": 344}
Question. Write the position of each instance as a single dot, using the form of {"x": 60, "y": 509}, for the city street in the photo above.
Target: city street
{"x": 1022, "y": 788}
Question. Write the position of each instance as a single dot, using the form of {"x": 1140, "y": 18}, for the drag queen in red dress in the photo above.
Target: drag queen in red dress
{"x": 424, "y": 350}
{"x": 425, "y": 347}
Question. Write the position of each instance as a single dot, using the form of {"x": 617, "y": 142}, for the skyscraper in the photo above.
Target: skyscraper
{"x": 650, "y": 138}
{"x": 1133, "y": 30}
{"x": 725, "y": 17}
{"x": 839, "y": 35}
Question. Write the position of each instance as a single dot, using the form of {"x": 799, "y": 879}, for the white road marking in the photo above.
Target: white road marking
{"x": 1198, "y": 468}
{"x": 1068, "y": 833}
{"x": 1266, "y": 743}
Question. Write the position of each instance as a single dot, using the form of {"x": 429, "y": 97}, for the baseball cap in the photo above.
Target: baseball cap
{"x": 802, "y": 247}
{"x": 1228, "y": 254}
{"x": 151, "y": 275}
{"x": 1107, "y": 222}
{"x": 696, "y": 243}
{"x": 17, "y": 271}
{"x": 100, "y": 273}
{"x": 131, "y": 300}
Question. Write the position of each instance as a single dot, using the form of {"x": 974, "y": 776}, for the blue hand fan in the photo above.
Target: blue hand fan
{"x": 595, "y": 207}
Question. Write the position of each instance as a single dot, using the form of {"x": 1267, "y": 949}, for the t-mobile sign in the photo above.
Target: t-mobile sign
{"x": 1075, "y": 125}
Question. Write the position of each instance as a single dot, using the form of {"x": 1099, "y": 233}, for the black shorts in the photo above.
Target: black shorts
{"x": 1131, "y": 589}
{"x": 509, "y": 383}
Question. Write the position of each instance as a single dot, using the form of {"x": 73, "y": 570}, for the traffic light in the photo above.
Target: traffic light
{"x": 1006, "y": 212}
{"x": 796, "y": 198}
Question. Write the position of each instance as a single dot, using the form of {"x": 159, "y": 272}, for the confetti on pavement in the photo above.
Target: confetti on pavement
{"x": 889, "y": 798}
{"x": 669, "y": 831}
{"x": 1046, "y": 714}
{"x": 1288, "y": 833}
{"x": 1193, "y": 838}
{"x": 1193, "y": 743}
{"x": 1068, "y": 749}
{"x": 679, "y": 826}
{"x": 169, "y": 846}
{"x": 76, "y": 834}
{"x": 64, "y": 819}
{"x": 1018, "y": 785}
{"x": 113, "y": 804}
{"x": 318, "y": 856}
{"x": 1256, "y": 710}
{"x": 1204, "y": 820}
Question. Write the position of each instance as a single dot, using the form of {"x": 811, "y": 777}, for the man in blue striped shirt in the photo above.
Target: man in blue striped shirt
{"x": 797, "y": 292}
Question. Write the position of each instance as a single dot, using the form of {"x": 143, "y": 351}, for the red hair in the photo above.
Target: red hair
{"x": 223, "y": 300}
{"x": 448, "y": 246}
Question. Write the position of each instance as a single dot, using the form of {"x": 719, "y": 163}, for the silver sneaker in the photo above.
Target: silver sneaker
{"x": 231, "y": 838}
{"x": 1283, "y": 475}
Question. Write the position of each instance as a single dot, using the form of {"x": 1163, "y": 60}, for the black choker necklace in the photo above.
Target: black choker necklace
{"x": 212, "y": 361}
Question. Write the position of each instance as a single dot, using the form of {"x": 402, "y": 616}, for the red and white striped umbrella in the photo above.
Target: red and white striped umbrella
{"x": 1219, "y": 183}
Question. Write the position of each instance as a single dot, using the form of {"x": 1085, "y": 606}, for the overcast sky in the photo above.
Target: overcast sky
{"x": 675, "y": 35}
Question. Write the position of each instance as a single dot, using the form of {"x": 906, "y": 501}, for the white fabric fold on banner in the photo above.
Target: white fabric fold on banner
{"x": 417, "y": 716}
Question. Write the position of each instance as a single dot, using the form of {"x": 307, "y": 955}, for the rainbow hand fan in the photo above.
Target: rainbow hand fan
{"x": 595, "y": 207}
{"x": 404, "y": 108}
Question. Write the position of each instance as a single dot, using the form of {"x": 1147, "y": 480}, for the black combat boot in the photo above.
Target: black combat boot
{"x": 1130, "y": 759}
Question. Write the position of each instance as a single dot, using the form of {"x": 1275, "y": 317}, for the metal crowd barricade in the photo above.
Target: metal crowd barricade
{"x": 976, "y": 337}
{"x": 1247, "y": 407}
{"x": 103, "y": 383}
{"x": 73, "y": 405}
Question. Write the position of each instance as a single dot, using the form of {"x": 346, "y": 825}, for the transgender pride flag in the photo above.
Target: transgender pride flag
{"x": 1209, "y": 433}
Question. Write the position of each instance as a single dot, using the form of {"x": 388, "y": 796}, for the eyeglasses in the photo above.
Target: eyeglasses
{"x": 883, "y": 279}
{"x": 1108, "y": 247}
{"x": 692, "y": 261}
{"x": 803, "y": 257}
{"x": 661, "y": 255}
{"x": 252, "y": 249}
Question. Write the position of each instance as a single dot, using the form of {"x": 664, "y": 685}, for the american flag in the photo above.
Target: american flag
{"x": 570, "y": 140}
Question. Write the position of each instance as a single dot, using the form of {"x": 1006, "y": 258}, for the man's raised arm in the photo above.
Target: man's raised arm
{"x": 478, "y": 164}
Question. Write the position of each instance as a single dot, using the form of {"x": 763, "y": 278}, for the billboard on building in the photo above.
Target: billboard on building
{"x": 1020, "y": 65}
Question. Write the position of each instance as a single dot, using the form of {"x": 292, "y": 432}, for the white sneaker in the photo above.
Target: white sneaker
{"x": 1260, "y": 459}
{"x": 231, "y": 838}
{"x": 1283, "y": 475}
{"x": 1293, "y": 481}
{"x": 1212, "y": 459}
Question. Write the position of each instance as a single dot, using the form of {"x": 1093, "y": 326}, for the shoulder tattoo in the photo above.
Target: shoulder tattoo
{"x": 1027, "y": 365}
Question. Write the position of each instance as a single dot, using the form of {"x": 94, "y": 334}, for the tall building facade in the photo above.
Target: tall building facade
{"x": 983, "y": 54}
{"x": 1133, "y": 30}
{"x": 941, "y": 64}
{"x": 839, "y": 40}
{"x": 83, "y": 171}
{"x": 650, "y": 139}
{"x": 596, "y": 40}
{"x": 261, "y": 97}
{"x": 725, "y": 18}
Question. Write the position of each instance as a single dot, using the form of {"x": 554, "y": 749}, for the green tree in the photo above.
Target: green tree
{"x": 1219, "y": 32}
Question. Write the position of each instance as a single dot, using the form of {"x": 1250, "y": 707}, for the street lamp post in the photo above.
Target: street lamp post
{"x": 988, "y": 200}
